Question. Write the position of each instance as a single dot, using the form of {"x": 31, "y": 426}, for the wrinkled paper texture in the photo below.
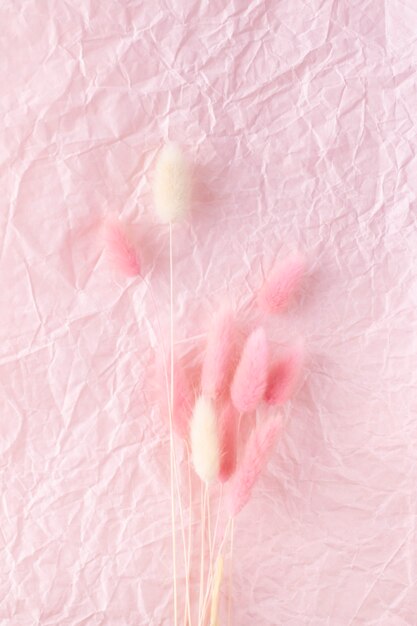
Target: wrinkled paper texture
{"x": 300, "y": 119}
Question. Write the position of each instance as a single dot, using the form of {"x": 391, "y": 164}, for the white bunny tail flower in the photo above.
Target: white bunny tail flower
{"x": 172, "y": 184}
{"x": 205, "y": 440}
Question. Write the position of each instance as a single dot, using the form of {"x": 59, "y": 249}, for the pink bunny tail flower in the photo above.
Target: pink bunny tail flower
{"x": 281, "y": 285}
{"x": 284, "y": 375}
{"x": 256, "y": 455}
{"x": 183, "y": 401}
{"x": 220, "y": 355}
{"x": 119, "y": 249}
{"x": 228, "y": 442}
{"x": 250, "y": 379}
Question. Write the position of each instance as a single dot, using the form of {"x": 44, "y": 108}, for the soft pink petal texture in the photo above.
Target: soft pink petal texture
{"x": 257, "y": 452}
{"x": 300, "y": 117}
{"x": 228, "y": 426}
{"x": 250, "y": 379}
{"x": 183, "y": 400}
{"x": 186, "y": 386}
{"x": 284, "y": 375}
{"x": 282, "y": 284}
{"x": 220, "y": 354}
{"x": 120, "y": 250}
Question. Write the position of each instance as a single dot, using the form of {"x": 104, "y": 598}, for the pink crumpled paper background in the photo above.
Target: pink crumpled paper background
{"x": 300, "y": 118}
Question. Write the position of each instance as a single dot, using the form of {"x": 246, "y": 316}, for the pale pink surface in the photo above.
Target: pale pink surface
{"x": 301, "y": 119}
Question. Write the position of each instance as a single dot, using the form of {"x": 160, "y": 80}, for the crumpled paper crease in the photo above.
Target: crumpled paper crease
{"x": 300, "y": 119}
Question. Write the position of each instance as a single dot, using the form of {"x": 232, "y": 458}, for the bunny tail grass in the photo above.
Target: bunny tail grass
{"x": 215, "y": 595}
{"x": 249, "y": 382}
{"x": 281, "y": 285}
{"x": 228, "y": 427}
{"x": 255, "y": 457}
{"x": 172, "y": 184}
{"x": 204, "y": 440}
{"x": 284, "y": 375}
{"x": 220, "y": 355}
{"x": 119, "y": 249}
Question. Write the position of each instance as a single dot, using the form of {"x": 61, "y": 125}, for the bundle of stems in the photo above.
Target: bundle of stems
{"x": 234, "y": 384}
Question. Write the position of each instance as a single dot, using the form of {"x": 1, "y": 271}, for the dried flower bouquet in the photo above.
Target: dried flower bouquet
{"x": 238, "y": 385}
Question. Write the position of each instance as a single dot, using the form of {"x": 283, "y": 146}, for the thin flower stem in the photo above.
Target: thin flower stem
{"x": 182, "y": 534}
{"x": 215, "y": 593}
{"x": 173, "y": 455}
{"x": 171, "y": 403}
{"x": 216, "y": 526}
{"x": 203, "y": 530}
{"x": 209, "y": 527}
{"x": 211, "y": 548}
{"x": 229, "y": 599}
{"x": 210, "y": 580}
{"x": 172, "y": 447}
{"x": 187, "y": 612}
{"x": 174, "y": 543}
{"x": 173, "y": 464}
